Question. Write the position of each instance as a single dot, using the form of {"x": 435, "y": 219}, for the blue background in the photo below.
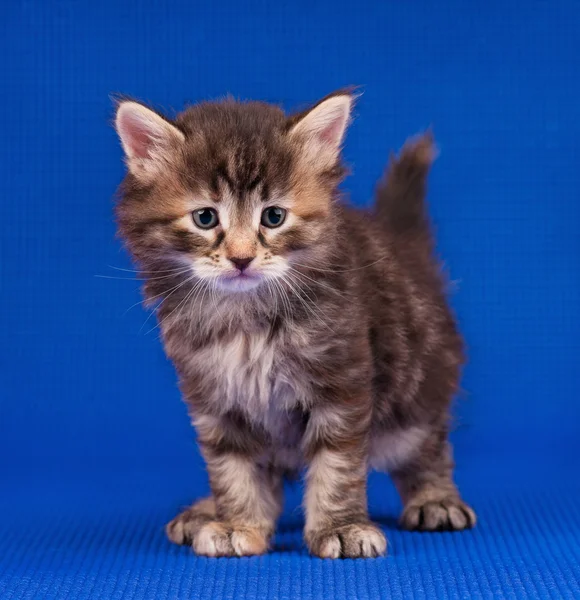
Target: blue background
{"x": 96, "y": 452}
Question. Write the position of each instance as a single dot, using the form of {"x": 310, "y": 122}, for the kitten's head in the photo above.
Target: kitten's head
{"x": 231, "y": 191}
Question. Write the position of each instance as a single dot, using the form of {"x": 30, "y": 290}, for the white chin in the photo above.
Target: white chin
{"x": 240, "y": 283}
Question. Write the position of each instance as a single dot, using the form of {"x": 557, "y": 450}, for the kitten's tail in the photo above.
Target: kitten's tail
{"x": 400, "y": 196}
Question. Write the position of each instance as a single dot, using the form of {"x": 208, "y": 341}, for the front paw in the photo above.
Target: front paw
{"x": 444, "y": 515}
{"x": 359, "y": 540}
{"x": 216, "y": 538}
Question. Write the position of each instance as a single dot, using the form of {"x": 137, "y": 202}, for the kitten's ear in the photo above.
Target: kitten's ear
{"x": 322, "y": 127}
{"x": 148, "y": 139}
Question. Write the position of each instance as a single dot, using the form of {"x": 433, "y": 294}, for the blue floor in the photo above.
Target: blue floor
{"x": 96, "y": 452}
{"x": 100, "y": 536}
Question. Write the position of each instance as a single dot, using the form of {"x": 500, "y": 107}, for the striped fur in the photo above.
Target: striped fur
{"x": 337, "y": 354}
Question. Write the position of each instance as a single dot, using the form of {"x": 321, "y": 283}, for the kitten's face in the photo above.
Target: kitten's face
{"x": 232, "y": 192}
{"x": 238, "y": 241}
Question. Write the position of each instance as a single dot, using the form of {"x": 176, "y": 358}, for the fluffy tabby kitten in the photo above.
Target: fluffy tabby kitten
{"x": 304, "y": 332}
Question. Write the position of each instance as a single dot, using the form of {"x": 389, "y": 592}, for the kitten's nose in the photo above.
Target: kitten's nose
{"x": 241, "y": 262}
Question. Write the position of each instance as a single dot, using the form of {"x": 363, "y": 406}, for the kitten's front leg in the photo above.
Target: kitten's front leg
{"x": 337, "y": 522}
{"x": 246, "y": 498}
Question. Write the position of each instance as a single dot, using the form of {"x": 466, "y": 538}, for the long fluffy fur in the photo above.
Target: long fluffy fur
{"x": 350, "y": 361}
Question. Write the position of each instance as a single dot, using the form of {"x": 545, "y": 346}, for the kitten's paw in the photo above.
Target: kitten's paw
{"x": 213, "y": 539}
{"x": 183, "y": 528}
{"x": 445, "y": 515}
{"x": 197, "y": 527}
{"x": 219, "y": 539}
{"x": 359, "y": 540}
{"x": 249, "y": 541}
{"x": 209, "y": 537}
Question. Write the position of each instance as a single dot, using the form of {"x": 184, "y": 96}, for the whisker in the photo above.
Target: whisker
{"x": 199, "y": 289}
{"x": 286, "y": 305}
{"x": 165, "y": 299}
{"x": 157, "y": 295}
{"x": 342, "y": 270}
{"x": 172, "y": 274}
{"x": 313, "y": 309}
{"x": 273, "y": 295}
{"x": 320, "y": 283}
{"x": 146, "y": 272}
{"x": 122, "y": 278}
{"x": 205, "y": 290}
{"x": 291, "y": 277}
{"x": 275, "y": 301}
{"x": 184, "y": 299}
{"x": 314, "y": 302}
{"x": 213, "y": 298}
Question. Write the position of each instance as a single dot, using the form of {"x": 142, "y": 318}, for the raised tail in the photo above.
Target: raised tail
{"x": 400, "y": 196}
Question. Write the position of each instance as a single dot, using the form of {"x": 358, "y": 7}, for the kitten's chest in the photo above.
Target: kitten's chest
{"x": 252, "y": 373}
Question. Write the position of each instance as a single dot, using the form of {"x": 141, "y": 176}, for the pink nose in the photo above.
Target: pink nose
{"x": 241, "y": 263}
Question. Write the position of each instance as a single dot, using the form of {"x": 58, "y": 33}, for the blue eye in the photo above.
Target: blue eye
{"x": 205, "y": 218}
{"x": 273, "y": 216}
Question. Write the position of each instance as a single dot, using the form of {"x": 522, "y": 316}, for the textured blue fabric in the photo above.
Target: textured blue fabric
{"x": 96, "y": 452}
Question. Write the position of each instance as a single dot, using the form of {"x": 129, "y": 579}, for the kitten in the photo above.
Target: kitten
{"x": 304, "y": 332}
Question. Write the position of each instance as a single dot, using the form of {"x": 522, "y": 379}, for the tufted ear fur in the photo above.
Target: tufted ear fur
{"x": 321, "y": 129}
{"x": 147, "y": 138}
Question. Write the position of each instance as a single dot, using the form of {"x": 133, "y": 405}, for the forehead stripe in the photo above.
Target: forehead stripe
{"x": 222, "y": 173}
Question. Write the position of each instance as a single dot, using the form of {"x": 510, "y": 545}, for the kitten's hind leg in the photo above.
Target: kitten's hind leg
{"x": 430, "y": 498}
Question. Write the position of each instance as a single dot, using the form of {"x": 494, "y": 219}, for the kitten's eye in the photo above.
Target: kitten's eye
{"x": 205, "y": 218}
{"x": 273, "y": 216}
